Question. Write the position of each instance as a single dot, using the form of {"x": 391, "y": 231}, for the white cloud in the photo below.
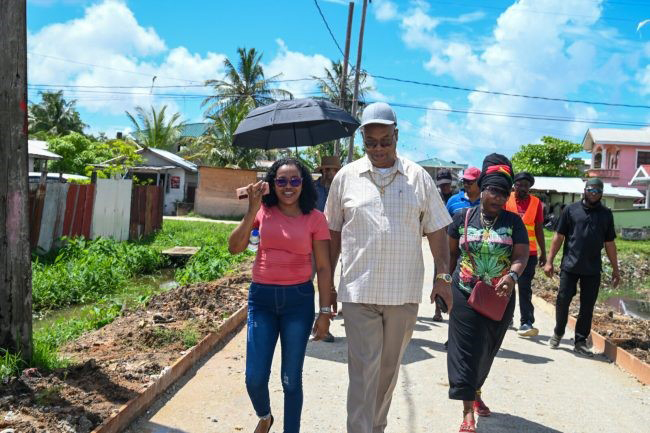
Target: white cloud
{"x": 384, "y": 10}
{"x": 528, "y": 53}
{"x": 108, "y": 47}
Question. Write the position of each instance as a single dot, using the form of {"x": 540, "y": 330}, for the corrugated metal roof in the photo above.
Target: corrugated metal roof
{"x": 575, "y": 185}
{"x": 440, "y": 163}
{"x": 38, "y": 149}
{"x": 194, "y": 129}
{"x": 173, "y": 158}
{"x": 616, "y": 136}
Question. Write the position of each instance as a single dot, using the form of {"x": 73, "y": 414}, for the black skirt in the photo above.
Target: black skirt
{"x": 474, "y": 341}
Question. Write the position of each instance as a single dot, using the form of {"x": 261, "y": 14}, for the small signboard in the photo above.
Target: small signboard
{"x": 175, "y": 182}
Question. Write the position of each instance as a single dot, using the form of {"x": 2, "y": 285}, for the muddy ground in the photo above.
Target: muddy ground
{"x": 115, "y": 363}
{"x": 632, "y": 334}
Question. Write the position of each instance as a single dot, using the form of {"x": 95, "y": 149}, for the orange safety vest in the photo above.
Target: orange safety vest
{"x": 528, "y": 217}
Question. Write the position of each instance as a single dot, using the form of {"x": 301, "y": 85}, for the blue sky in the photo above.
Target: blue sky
{"x": 104, "y": 53}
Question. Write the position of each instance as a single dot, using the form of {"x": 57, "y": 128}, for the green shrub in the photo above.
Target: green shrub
{"x": 208, "y": 264}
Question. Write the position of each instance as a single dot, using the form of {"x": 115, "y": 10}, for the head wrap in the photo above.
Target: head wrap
{"x": 497, "y": 171}
{"x": 524, "y": 175}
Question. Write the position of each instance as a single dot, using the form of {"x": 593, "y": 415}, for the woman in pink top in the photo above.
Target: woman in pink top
{"x": 281, "y": 296}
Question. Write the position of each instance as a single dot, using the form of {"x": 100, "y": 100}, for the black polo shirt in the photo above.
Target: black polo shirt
{"x": 586, "y": 230}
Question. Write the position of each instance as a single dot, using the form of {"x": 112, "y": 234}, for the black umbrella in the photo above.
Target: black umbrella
{"x": 293, "y": 123}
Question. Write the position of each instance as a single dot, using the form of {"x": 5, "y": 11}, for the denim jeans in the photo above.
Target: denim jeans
{"x": 287, "y": 312}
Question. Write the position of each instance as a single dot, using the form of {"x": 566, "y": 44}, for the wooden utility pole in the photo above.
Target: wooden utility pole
{"x": 357, "y": 73}
{"x": 344, "y": 75}
{"x": 15, "y": 260}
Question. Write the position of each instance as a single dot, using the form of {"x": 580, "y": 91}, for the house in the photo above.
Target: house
{"x": 556, "y": 192}
{"x": 433, "y": 165}
{"x": 616, "y": 154}
{"x": 216, "y": 195}
{"x": 38, "y": 154}
{"x": 642, "y": 178}
{"x": 178, "y": 176}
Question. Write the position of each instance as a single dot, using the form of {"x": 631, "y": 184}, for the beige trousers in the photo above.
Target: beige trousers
{"x": 377, "y": 338}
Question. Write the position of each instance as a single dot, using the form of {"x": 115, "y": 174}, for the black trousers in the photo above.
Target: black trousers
{"x": 589, "y": 285}
{"x": 525, "y": 284}
{"x": 474, "y": 341}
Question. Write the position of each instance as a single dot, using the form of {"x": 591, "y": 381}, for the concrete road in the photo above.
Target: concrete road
{"x": 531, "y": 388}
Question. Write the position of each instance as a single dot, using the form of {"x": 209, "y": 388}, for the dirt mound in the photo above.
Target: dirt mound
{"x": 120, "y": 360}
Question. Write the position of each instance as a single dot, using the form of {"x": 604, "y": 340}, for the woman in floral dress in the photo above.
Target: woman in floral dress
{"x": 498, "y": 244}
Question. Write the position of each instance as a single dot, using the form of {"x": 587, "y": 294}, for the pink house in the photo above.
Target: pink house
{"x": 616, "y": 154}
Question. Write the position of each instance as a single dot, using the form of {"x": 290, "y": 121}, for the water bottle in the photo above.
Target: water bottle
{"x": 254, "y": 240}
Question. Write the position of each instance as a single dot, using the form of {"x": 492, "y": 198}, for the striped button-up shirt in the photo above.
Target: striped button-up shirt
{"x": 381, "y": 234}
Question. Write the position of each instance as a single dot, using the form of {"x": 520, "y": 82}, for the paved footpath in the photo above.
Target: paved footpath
{"x": 531, "y": 388}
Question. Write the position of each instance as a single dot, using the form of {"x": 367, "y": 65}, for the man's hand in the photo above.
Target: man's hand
{"x": 548, "y": 269}
{"x": 321, "y": 327}
{"x": 505, "y": 286}
{"x": 541, "y": 261}
{"x": 442, "y": 289}
{"x": 616, "y": 278}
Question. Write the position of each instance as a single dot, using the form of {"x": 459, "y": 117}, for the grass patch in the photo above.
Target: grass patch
{"x": 624, "y": 247}
{"x": 189, "y": 234}
{"x": 10, "y": 364}
{"x": 237, "y": 218}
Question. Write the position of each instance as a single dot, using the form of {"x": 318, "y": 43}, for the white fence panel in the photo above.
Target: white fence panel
{"x": 112, "y": 210}
{"x": 53, "y": 212}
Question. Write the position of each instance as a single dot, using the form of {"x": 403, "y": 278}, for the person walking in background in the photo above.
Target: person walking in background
{"x": 529, "y": 208}
{"x": 329, "y": 166}
{"x": 444, "y": 180}
{"x": 584, "y": 227}
{"x": 487, "y": 244}
{"x": 378, "y": 208}
{"x": 281, "y": 296}
{"x": 469, "y": 195}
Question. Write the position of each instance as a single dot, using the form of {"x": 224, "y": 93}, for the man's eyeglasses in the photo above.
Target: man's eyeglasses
{"x": 384, "y": 142}
{"x": 594, "y": 190}
{"x": 283, "y": 181}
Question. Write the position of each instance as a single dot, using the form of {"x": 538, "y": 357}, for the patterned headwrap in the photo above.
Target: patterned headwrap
{"x": 497, "y": 171}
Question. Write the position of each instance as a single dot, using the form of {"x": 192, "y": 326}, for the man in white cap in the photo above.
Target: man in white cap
{"x": 377, "y": 209}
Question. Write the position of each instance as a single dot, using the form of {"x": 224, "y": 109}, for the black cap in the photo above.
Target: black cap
{"x": 443, "y": 177}
{"x": 594, "y": 182}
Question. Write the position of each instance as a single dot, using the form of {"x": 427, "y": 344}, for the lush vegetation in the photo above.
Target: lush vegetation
{"x": 54, "y": 115}
{"x": 155, "y": 129}
{"x": 549, "y": 158}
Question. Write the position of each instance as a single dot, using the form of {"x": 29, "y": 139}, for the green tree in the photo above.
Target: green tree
{"x": 330, "y": 85}
{"x": 215, "y": 147}
{"x": 78, "y": 153}
{"x": 54, "y": 115}
{"x": 244, "y": 85}
{"x": 550, "y": 158}
{"x": 154, "y": 129}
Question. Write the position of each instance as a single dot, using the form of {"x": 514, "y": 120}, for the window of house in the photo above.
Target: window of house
{"x": 642, "y": 158}
{"x": 598, "y": 160}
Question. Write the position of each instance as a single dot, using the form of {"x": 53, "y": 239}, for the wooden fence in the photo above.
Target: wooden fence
{"x": 110, "y": 208}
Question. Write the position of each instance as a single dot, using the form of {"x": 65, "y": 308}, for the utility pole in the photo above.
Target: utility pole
{"x": 357, "y": 72}
{"x": 15, "y": 260}
{"x": 344, "y": 75}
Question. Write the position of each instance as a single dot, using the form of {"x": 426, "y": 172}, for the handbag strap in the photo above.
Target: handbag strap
{"x": 469, "y": 209}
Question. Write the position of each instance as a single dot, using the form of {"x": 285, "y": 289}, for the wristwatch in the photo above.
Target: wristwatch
{"x": 325, "y": 310}
{"x": 444, "y": 277}
{"x": 514, "y": 276}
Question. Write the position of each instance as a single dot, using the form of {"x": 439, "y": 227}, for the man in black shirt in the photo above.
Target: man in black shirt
{"x": 587, "y": 226}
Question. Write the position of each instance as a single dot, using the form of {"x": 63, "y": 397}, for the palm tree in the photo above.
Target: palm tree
{"x": 330, "y": 85}
{"x": 154, "y": 129}
{"x": 215, "y": 147}
{"x": 54, "y": 115}
{"x": 245, "y": 84}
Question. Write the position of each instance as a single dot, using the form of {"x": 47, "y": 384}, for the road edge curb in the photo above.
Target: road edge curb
{"x": 137, "y": 405}
{"x": 621, "y": 357}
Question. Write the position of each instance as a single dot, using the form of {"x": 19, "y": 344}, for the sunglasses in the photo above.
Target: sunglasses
{"x": 594, "y": 190}
{"x": 386, "y": 142}
{"x": 496, "y": 192}
{"x": 283, "y": 181}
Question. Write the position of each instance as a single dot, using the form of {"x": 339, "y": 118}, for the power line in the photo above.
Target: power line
{"x": 518, "y": 95}
{"x": 157, "y": 86}
{"x": 328, "y": 27}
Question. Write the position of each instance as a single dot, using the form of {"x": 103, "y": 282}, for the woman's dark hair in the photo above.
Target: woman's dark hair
{"x": 307, "y": 200}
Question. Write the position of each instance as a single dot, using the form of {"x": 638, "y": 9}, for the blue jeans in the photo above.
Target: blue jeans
{"x": 287, "y": 312}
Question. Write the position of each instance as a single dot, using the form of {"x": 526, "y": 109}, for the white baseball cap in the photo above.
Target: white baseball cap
{"x": 378, "y": 112}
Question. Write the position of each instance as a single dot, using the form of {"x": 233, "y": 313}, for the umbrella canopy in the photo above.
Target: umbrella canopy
{"x": 293, "y": 123}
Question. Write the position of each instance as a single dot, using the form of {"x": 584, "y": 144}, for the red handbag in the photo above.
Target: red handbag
{"x": 484, "y": 298}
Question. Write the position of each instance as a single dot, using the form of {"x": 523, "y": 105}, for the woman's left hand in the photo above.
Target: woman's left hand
{"x": 505, "y": 286}
{"x": 321, "y": 327}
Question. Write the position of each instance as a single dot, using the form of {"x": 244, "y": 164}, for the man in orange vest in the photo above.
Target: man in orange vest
{"x": 529, "y": 208}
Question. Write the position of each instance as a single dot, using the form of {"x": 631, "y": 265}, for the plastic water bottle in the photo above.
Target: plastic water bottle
{"x": 254, "y": 240}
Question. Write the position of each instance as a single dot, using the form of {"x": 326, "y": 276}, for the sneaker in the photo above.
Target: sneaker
{"x": 329, "y": 338}
{"x": 581, "y": 348}
{"x": 480, "y": 408}
{"x": 527, "y": 330}
{"x": 554, "y": 342}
